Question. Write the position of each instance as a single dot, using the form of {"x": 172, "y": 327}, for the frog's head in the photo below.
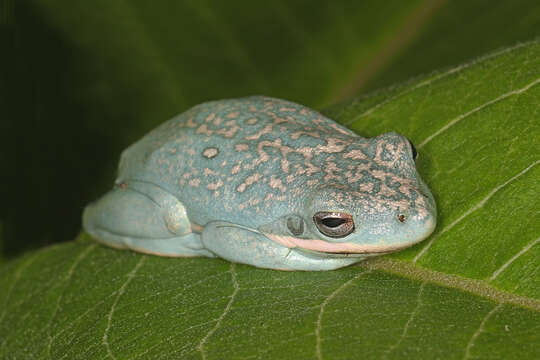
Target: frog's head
{"x": 384, "y": 205}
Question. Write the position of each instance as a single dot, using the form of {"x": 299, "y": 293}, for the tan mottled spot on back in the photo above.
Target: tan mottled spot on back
{"x": 333, "y": 145}
{"x": 312, "y": 169}
{"x": 340, "y": 129}
{"x": 248, "y": 181}
{"x": 241, "y": 187}
{"x": 251, "y": 121}
{"x": 330, "y": 168}
{"x": 277, "y": 119}
{"x": 355, "y": 155}
{"x": 308, "y": 132}
{"x": 228, "y": 133}
{"x": 236, "y": 168}
{"x": 285, "y": 165}
{"x": 275, "y": 183}
{"x": 194, "y": 182}
{"x": 387, "y": 191}
{"x": 232, "y": 115}
{"x": 210, "y": 117}
{"x": 358, "y": 173}
{"x": 210, "y": 152}
{"x": 241, "y": 147}
{"x": 300, "y": 170}
{"x": 190, "y": 123}
{"x": 203, "y": 130}
{"x": 366, "y": 187}
{"x": 208, "y": 171}
{"x": 216, "y": 185}
{"x": 287, "y": 109}
{"x": 266, "y": 130}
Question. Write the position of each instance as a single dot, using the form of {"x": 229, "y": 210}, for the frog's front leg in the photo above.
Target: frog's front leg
{"x": 142, "y": 216}
{"x": 249, "y": 246}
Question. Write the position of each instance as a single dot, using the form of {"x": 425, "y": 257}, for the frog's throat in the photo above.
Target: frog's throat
{"x": 328, "y": 247}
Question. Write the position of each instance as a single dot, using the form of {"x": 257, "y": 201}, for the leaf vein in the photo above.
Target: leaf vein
{"x": 318, "y": 327}
{"x": 432, "y": 80}
{"x": 130, "y": 276}
{"x": 475, "y": 110}
{"x": 66, "y": 280}
{"x": 472, "y": 209}
{"x": 17, "y": 276}
{"x": 409, "y": 321}
{"x": 236, "y": 288}
{"x": 513, "y": 258}
{"x": 479, "y": 331}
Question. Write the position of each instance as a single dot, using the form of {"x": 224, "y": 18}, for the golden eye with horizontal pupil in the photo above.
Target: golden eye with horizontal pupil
{"x": 334, "y": 224}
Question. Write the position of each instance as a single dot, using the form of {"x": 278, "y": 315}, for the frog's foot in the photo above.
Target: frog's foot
{"x": 250, "y": 246}
{"x": 143, "y": 217}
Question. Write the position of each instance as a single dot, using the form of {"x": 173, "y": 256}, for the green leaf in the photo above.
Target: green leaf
{"x": 96, "y": 75}
{"x": 470, "y": 291}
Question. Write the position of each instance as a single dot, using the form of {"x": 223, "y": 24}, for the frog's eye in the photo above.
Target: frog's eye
{"x": 334, "y": 224}
{"x": 413, "y": 149}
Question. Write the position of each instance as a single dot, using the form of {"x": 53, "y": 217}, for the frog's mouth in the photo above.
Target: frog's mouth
{"x": 344, "y": 249}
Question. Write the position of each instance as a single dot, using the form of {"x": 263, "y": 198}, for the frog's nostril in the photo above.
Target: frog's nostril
{"x": 401, "y": 218}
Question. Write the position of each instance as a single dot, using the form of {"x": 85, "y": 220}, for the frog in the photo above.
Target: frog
{"x": 265, "y": 182}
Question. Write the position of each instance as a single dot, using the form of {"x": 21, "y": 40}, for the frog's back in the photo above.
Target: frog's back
{"x": 244, "y": 158}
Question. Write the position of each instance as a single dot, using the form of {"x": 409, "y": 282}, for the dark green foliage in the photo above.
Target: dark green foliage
{"x": 82, "y": 80}
{"x": 470, "y": 291}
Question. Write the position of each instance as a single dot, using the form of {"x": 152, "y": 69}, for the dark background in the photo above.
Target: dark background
{"x": 80, "y": 82}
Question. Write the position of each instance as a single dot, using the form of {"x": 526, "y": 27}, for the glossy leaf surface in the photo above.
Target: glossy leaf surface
{"x": 470, "y": 291}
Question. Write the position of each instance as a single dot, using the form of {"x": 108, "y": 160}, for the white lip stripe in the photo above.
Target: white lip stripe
{"x": 323, "y": 246}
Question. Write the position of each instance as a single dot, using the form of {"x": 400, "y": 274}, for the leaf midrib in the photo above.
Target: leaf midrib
{"x": 477, "y": 287}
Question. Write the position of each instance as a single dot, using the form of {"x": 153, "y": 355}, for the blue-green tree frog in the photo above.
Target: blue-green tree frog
{"x": 265, "y": 182}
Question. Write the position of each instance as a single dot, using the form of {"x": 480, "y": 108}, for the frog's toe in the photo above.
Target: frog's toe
{"x": 143, "y": 218}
